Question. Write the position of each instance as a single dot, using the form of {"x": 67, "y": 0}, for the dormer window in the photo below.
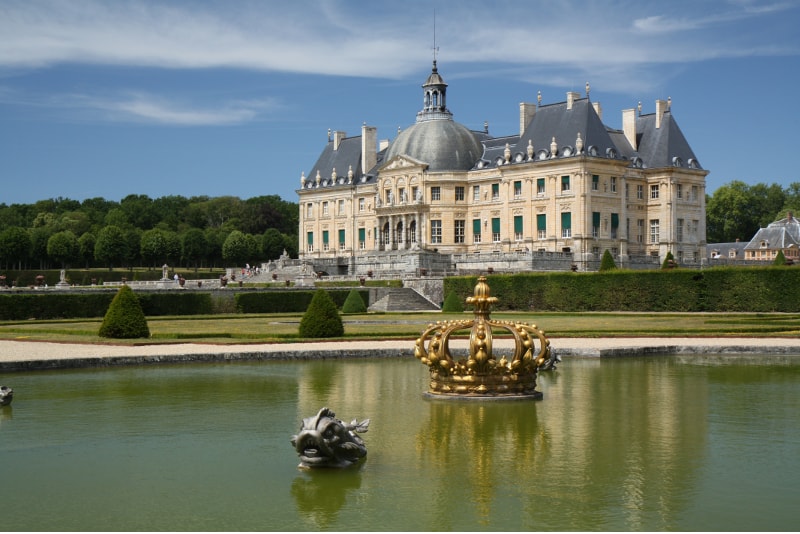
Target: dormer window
{"x": 764, "y": 243}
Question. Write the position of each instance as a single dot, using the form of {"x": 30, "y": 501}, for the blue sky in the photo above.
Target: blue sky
{"x": 110, "y": 98}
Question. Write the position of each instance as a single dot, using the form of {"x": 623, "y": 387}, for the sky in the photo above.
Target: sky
{"x": 111, "y": 98}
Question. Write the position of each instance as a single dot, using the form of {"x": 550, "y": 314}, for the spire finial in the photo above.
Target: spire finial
{"x": 435, "y": 48}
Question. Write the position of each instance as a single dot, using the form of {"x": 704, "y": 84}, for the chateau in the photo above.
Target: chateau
{"x": 443, "y": 198}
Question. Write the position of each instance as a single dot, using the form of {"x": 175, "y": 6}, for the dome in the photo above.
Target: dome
{"x": 444, "y": 145}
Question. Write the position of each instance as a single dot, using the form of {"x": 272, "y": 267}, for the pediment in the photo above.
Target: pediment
{"x": 402, "y": 162}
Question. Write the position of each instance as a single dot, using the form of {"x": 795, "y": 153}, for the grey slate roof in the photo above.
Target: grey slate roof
{"x": 444, "y": 145}
{"x": 658, "y": 147}
{"x": 777, "y": 235}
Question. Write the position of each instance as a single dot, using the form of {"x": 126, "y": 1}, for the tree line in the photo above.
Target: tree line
{"x": 201, "y": 231}
{"x": 139, "y": 231}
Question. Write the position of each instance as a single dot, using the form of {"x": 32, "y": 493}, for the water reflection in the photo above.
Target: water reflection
{"x": 319, "y": 495}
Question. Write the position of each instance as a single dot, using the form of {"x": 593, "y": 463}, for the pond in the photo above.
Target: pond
{"x": 669, "y": 443}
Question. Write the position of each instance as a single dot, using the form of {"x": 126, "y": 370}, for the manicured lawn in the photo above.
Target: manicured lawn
{"x": 262, "y": 328}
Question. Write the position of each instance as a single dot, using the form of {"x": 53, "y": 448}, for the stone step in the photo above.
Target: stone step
{"x": 403, "y": 299}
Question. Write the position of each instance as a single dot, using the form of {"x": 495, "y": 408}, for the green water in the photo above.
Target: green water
{"x": 657, "y": 444}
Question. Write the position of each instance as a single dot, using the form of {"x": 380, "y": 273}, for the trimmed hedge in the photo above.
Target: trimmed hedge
{"x": 720, "y": 289}
{"x": 83, "y": 277}
{"x": 288, "y": 301}
{"x": 67, "y": 305}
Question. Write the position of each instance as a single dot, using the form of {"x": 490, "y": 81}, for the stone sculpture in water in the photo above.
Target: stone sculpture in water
{"x": 325, "y": 441}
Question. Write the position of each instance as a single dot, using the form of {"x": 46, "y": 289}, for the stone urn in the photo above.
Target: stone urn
{"x": 199, "y": 283}
{"x": 274, "y": 276}
{"x": 182, "y": 281}
{"x": 362, "y": 281}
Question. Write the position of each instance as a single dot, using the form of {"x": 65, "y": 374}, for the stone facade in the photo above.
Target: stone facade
{"x": 567, "y": 188}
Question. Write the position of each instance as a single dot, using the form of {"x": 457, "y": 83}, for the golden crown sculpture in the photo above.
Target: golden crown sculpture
{"x": 480, "y": 375}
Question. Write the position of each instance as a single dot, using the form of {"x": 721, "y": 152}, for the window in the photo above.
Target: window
{"x": 341, "y": 207}
{"x": 414, "y": 193}
{"x": 309, "y": 210}
{"x": 541, "y": 226}
{"x": 495, "y": 191}
{"x": 613, "y": 184}
{"x": 565, "y": 183}
{"x": 640, "y": 192}
{"x": 459, "y": 193}
{"x": 654, "y": 231}
{"x": 388, "y": 197}
{"x": 595, "y": 223}
{"x": 341, "y": 239}
{"x": 566, "y": 225}
{"x": 654, "y": 192}
{"x": 694, "y": 228}
{"x": 476, "y": 230}
{"x": 679, "y": 191}
{"x": 517, "y": 227}
{"x": 310, "y": 241}
{"x": 436, "y": 194}
{"x": 595, "y": 182}
{"x": 324, "y": 208}
{"x": 495, "y": 229}
{"x": 361, "y": 204}
{"x": 679, "y": 230}
{"x": 614, "y": 225}
{"x": 518, "y": 190}
{"x": 694, "y": 193}
{"x": 476, "y": 193}
{"x": 626, "y": 191}
{"x": 640, "y": 230}
{"x": 540, "y": 186}
{"x": 436, "y": 231}
{"x": 460, "y": 230}
{"x": 401, "y": 192}
{"x": 325, "y": 245}
{"x": 412, "y": 232}
{"x": 596, "y": 251}
{"x": 362, "y": 238}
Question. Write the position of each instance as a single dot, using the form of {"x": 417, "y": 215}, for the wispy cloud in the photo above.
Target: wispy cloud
{"x": 344, "y": 38}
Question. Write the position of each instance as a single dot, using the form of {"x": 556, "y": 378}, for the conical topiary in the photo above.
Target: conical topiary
{"x": 354, "y": 303}
{"x": 452, "y": 303}
{"x": 321, "y": 319}
{"x": 669, "y": 261}
{"x": 780, "y": 259}
{"x": 124, "y": 318}
{"x": 607, "y": 262}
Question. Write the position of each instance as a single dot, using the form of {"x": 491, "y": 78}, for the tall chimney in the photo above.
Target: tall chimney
{"x": 661, "y": 107}
{"x": 526, "y": 113}
{"x": 337, "y": 139}
{"x": 598, "y": 109}
{"x": 571, "y": 98}
{"x": 369, "y": 138}
{"x": 629, "y": 126}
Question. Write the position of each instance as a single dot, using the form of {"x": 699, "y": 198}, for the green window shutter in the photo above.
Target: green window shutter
{"x": 476, "y": 226}
{"x": 564, "y": 181}
{"x": 517, "y": 224}
{"x": 615, "y": 220}
{"x": 495, "y": 189}
{"x": 362, "y": 234}
{"x": 596, "y": 219}
{"x": 595, "y": 180}
{"x": 310, "y": 236}
{"x": 341, "y": 236}
{"x": 566, "y": 220}
{"x": 324, "y": 237}
{"x": 541, "y": 222}
{"x": 517, "y": 186}
{"x": 540, "y": 184}
{"x": 496, "y": 225}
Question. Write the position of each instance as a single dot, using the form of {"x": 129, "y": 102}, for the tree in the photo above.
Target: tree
{"x": 39, "y": 237}
{"x": 236, "y": 250}
{"x": 354, "y": 303}
{"x": 62, "y": 247}
{"x": 15, "y": 246}
{"x": 159, "y": 246}
{"x": 780, "y": 259}
{"x": 272, "y": 244}
{"x": 86, "y": 248}
{"x": 452, "y": 304}
{"x": 321, "y": 319}
{"x": 194, "y": 247}
{"x": 737, "y": 210}
{"x": 669, "y": 261}
{"x": 124, "y": 318}
{"x": 111, "y": 247}
{"x": 607, "y": 262}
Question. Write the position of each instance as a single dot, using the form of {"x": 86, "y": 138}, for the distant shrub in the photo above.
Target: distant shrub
{"x": 780, "y": 259}
{"x": 354, "y": 303}
{"x": 669, "y": 261}
{"x": 452, "y": 303}
{"x": 321, "y": 319}
{"x": 124, "y": 318}
{"x": 607, "y": 262}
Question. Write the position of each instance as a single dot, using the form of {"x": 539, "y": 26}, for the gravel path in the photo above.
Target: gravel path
{"x": 19, "y": 355}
